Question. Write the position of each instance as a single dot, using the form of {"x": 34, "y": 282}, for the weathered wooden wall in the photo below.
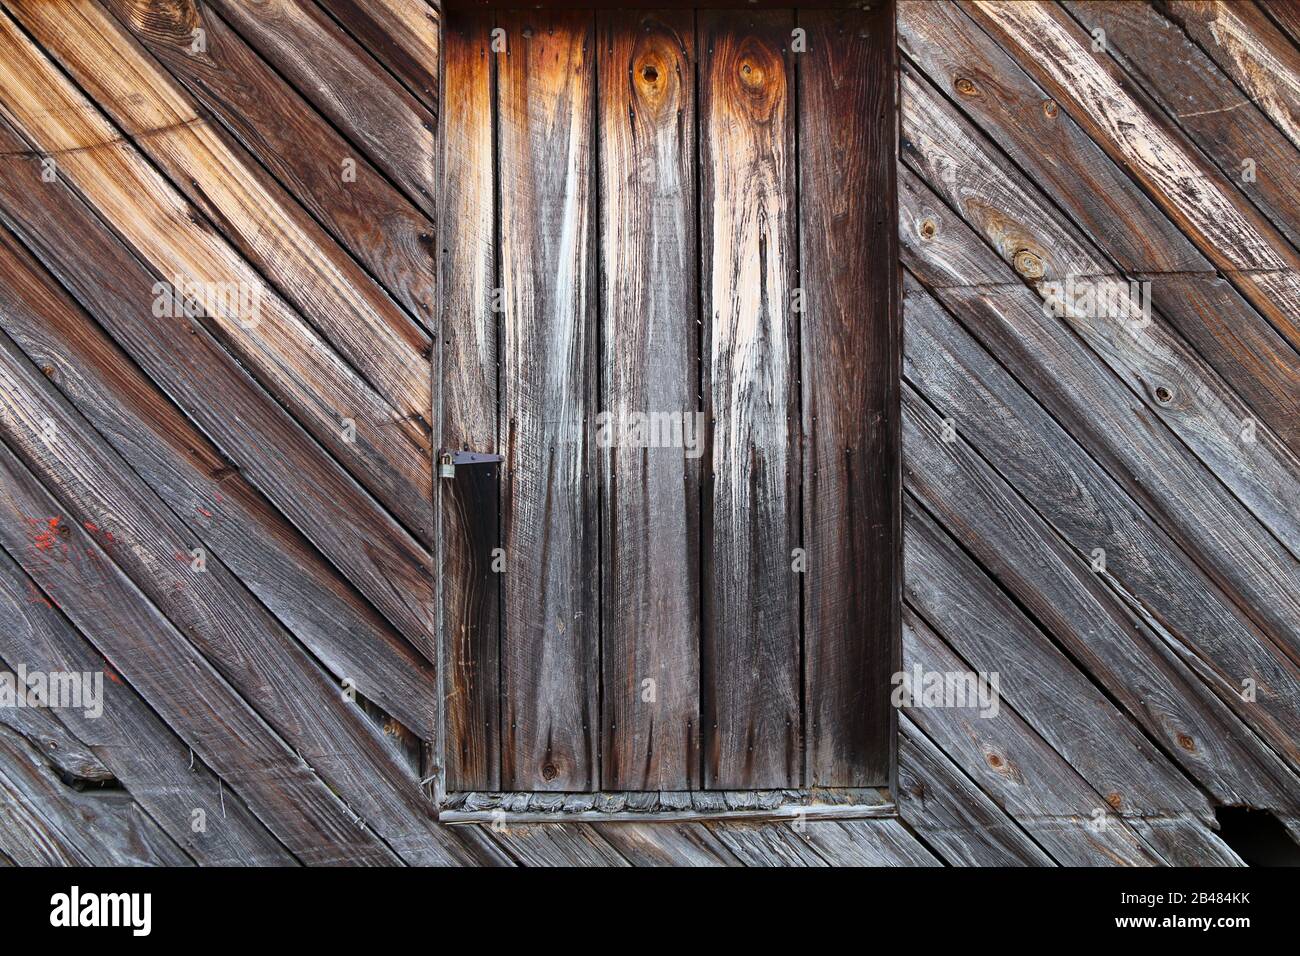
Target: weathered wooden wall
{"x": 296, "y": 453}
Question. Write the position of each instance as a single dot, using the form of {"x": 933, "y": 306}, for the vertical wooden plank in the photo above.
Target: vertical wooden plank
{"x": 649, "y": 355}
{"x": 751, "y": 652}
{"x": 848, "y": 347}
{"x": 549, "y": 663}
{"x": 469, "y": 505}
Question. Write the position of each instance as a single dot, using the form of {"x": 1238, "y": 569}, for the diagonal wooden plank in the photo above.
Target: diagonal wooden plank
{"x": 1048, "y": 252}
{"x": 1247, "y": 46}
{"x": 46, "y": 822}
{"x": 849, "y": 354}
{"x": 266, "y": 224}
{"x": 1047, "y": 42}
{"x": 238, "y": 89}
{"x": 140, "y": 750}
{"x": 219, "y": 617}
{"x": 650, "y": 483}
{"x": 992, "y": 635}
{"x": 1216, "y": 115}
{"x": 470, "y": 504}
{"x": 325, "y": 65}
{"x": 1043, "y": 793}
{"x": 1103, "y": 415}
{"x": 549, "y": 655}
{"x": 318, "y": 495}
{"x": 751, "y": 641}
{"x": 214, "y": 499}
{"x": 1285, "y": 14}
{"x": 180, "y": 684}
{"x": 385, "y": 450}
{"x": 955, "y": 816}
{"x": 666, "y": 844}
{"x": 768, "y": 844}
{"x": 1086, "y": 506}
{"x": 1097, "y": 194}
{"x": 400, "y": 34}
{"x": 557, "y": 844}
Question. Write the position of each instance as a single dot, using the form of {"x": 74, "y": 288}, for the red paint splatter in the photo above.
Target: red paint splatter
{"x": 91, "y": 527}
{"x": 205, "y": 512}
{"x": 46, "y": 539}
{"x": 111, "y": 674}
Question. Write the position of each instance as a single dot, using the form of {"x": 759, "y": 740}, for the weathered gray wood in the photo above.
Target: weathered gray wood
{"x": 127, "y": 629}
{"x": 1247, "y": 46}
{"x": 392, "y": 127}
{"x": 74, "y": 762}
{"x": 1235, "y": 236}
{"x": 1068, "y": 818}
{"x": 1109, "y": 207}
{"x": 866, "y": 843}
{"x": 1102, "y": 415}
{"x": 666, "y": 844}
{"x": 954, "y": 816}
{"x": 1175, "y": 72}
{"x": 218, "y": 618}
{"x": 1184, "y": 842}
{"x": 984, "y": 626}
{"x": 554, "y": 844}
{"x": 549, "y": 652}
{"x": 768, "y": 844}
{"x": 214, "y": 499}
{"x": 650, "y": 487}
{"x": 133, "y": 743}
{"x": 849, "y": 353}
{"x": 1172, "y": 382}
{"x": 1140, "y": 671}
{"x": 44, "y": 822}
{"x": 751, "y": 640}
{"x": 469, "y": 505}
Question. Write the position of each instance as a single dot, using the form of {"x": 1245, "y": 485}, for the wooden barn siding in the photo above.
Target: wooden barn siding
{"x": 297, "y": 453}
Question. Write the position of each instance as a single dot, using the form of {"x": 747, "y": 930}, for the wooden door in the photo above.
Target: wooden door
{"x": 668, "y": 295}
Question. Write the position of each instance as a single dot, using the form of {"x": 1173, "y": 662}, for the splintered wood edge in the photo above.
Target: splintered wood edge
{"x": 750, "y": 807}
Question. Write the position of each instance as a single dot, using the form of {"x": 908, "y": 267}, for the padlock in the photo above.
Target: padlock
{"x": 446, "y": 467}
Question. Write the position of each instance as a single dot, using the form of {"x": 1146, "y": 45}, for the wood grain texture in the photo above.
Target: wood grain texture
{"x": 1171, "y": 380}
{"x": 650, "y": 483}
{"x": 469, "y": 504}
{"x": 143, "y": 754}
{"x": 220, "y": 620}
{"x": 1055, "y": 806}
{"x": 1153, "y": 671}
{"x": 1247, "y": 46}
{"x": 954, "y": 816}
{"x": 214, "y": 499}
{"x": 1174, "y": 71}
{"x": 751, "y": 641}
{"x": 388, "y": 453}
{"x": 549, "y": 653}
{"x": 48, "y": 823}
{"x": 266, "y": 225}
{"x": 666, "y": 844}
{"x": 1106, "y": 205}
{"x": 848, "y": 343}
{"x": 982, "y": 624}
{"x": 400, "y": 34}
{"x": 1102, "y": 415}
{"x": 553, "y": 844}
{"x": 876, "y": 843}
{"x": 149, "y": 653}
{"x": 239, "y": 90}
{"x": 190, "y": 366}
{"x": 1049, "y": 45}
{"x": 391, "y": 128}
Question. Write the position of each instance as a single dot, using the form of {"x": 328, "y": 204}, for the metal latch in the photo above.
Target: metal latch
{"x": 448, "y": 460}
